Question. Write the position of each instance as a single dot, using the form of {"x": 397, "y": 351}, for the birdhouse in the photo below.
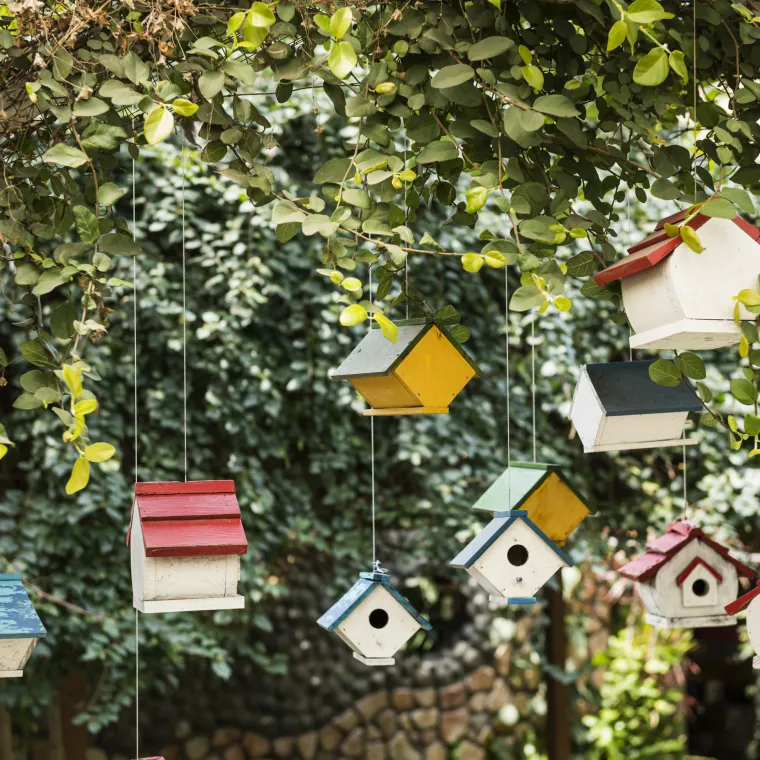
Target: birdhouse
{"x": 421, "y": 373}
{"x": 374, "y": 619}
{"x": 185, "y": 542}
{"x": 751, "y": 602}
{"x": 20, "y": 626}
{"x": 618, "y": 406}
{"x": 686, "y": 579}
{"x": 678, "y": 299}
{"x": 512, "y": 558}
{"x": 541, "y": 490}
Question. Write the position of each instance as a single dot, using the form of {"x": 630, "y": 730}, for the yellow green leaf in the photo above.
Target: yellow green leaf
{"x": 342, "y": 59}
{"x": 476, "y": 198}
{"x": 748, "y": 297}
{"x": 336, "y": 278}
{"x": 353, "y": 315}
{"x": 389, "y": 329}
{"x": 672, "y": 229}
{"x": 525, "y": 54}
{"x": 158, "y": 125}
{"x": 495, "y": 259}
{"x": 184, "y": 107}
{"x": 743, "y": 347}
{"x": 3, "y": 450}
{"x": 690, "y": 237}
{"x": 385, "y": 87}
{"x": 577, "y": 233}
{"x": 617, "y": 35}
{"x": 754, "y": 452}
{"x": 533, "y": 76}
{"x": 676, "y": 60}
{"x": 235, "y": 22}
{"x": 261, "y": 16}
{"x": 737, "y": 314}
{"x": 352, "y": 284}
{"x": 99, "y": 452}
{"x": 341, "y": 22}
{"x": 472, "y": 262}
{"x": 562, "y": 303}
{"x": 80, "y": 476}
{"x": 73, "y": 379}
{"x": 88, "y": 406}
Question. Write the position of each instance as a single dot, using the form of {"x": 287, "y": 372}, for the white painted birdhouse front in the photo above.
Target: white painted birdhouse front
{"x": 751, "y": 602}
{"x": 617, "y": 407}
{"x": 20, "y": 626}
{"x": 686, "y": 579}
{"x": 374, "y": 619}
{"x": 678, "y": 299}
{"x": 185, "y": 544}
{"x": 512, "y": 558}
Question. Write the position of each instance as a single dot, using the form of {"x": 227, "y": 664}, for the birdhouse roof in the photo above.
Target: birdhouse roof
{"x": 366, "y": 584}
{"x": 376, "y": 355}
{"x": 660, "y": 551}
{"x": 625, "y": 388}
{"x": 195, "y": 519}
{"x": 655, "y": 247}
{"x": 494, "y": 530}
{"x": 739, "y": 604}
{"x": 18, "y": 618}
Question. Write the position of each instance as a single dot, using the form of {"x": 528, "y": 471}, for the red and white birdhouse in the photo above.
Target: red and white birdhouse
{"x": 751, "y": 602}
{"x": 678, "y": 299}
{"x": 686, "y": 579}
{"x": 185, "y": 541}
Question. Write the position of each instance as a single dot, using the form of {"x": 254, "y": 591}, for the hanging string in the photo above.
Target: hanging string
{"x": 137, "y": 683}
{"x": 406, "y": 219}
{"x": 630, "y": 241}
{"x": 533, "y": 378}
{"x": 184, "y": 313}
{"x": 375, "y": 564}
{"x": 506, "y": 368}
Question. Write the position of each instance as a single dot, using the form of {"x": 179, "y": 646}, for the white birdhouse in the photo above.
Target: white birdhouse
{"x": 618, "y": 406}
{"x": 185, "y": 543}
{"x": 512, "y": 558}
{"x": 686, "y": 579}
{"x": 750, "y": 601}
{"x": 20, "y": 626}
{"x": 678, "y": 299}
{"x": 374, "y": 619}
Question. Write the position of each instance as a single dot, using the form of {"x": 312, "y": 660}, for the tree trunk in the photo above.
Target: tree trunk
{"x": 73, "y": 700}
{"x": 56, "y": 749}
{"x": 6, "y": 733}
{"x": 558, "y": 743}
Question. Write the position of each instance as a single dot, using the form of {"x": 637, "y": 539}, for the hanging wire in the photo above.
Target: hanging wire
{"x": 375, "y": 563}
{"x": 533, "y": 378}
{"x": 137, "y": 683}
{"x": 184, "y": 313}
{"x": 506, "y": 369}
{"x": 628, "y": 225}
{"x": 406, "y": 219}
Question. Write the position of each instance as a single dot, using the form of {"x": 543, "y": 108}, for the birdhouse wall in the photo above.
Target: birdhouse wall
{"x": 385, "y": 392}
{"x": 687, "y": 285}
{"x": 496, "y": 568}
{"x": 700, "y": 589}
{"x": 370, "y": 641}
{"x": 160, "y": 578}
{"x": 667, "y": 598}
{"x": 753, "y": 624}
{"x": 14, "y": 654}
{"x": 434, "y": 371}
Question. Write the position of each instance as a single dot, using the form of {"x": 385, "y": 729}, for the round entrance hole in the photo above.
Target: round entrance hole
{"x": 517, "y": 555}
{"x": 700, "y": 587}
{"x": 378, "y": 618}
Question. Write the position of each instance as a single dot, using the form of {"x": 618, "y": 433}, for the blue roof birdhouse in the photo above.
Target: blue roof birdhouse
{"x": 20, "y": 626}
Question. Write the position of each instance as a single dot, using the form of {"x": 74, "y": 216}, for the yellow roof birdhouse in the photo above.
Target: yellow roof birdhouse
{"x": 543, "y": 491}
{"x": 421, "y": 373}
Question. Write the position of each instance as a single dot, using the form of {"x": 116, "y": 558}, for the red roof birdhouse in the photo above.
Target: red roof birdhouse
{"x": 686, "y": 579}
{"x": 750, "y": 600}
{"x": 678, "y": 299}
{"x": 185, "y": 542}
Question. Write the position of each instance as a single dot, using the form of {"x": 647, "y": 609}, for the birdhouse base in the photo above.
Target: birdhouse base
{"x": 150, "y": 606}
{"x": 405, "y": 410}
{"x": 375, "y": 661}
{"x": 513, "y": 599}
{"x": 689, "y": 335}
{"x": 707, "y": 621}
{"x": 11, "y": 673}
{"x": 639, "y": 445}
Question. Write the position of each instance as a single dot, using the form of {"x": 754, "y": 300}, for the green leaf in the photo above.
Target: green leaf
{"x": 119, "y": 245}
{"x": 86, "y": 224}
{"x": 109, "y": 193}
{"x": 460, "y": 334}
{"x": 342, "y": 59}
{"x": 137, "y": 71}
{"x": 341, "y": 22}
{"x": 388, "y": 328}
{"x": 617, "y": 35}
{"x": 261, "y": 16}
{"x": 556, "y": 105}
{"x": 353, "y": 315}
{"x": 490, "y": 47}
{"x": 704, "y": 392}
{"x": 531, "y": 121}
{"x": 534, "y": 77}
{"x": 451, "y": 76}
{"x": 718, "y": 207}
{"x": 472, "y": 262}
{"x": 744, "y": 391}
{"x": 91, "y": 107}
{"x": 751, "y": 424}
{"x": 677, "y": 64}
{"x": 652, "y": 69}
{"x": 447, "y": 315}
{"x": 80, "y": 476}
{"x": 646, "y": 12}
{"x": 3, "y": 358}
{"x": 158, "y": 125}
{"x": 581, "y": 265}
{"x": 64, "y": 155}
{"x": 526, "y": 297}
{"x": 99, "y": 452}
{"x": 740, "y": 198}
{"x": 691, "y": 238}
{"x": 476, "y": 198}
{"x": 26, "y": 273}
{"x": 49, "y": 281}
{"x": 435, "y": 152}
{"x": 210, "y": 84}
{"x": 183, "y": 107}
{"x": 26, "y": 402}
{"x": 665, "y": 373}
{"x": 34, "y": 352}
{"x": 691, "y": 365}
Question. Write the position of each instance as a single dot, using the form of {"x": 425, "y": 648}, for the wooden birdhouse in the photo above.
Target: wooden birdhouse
{"x": 543, "y": 491}
{"x": 686, "y": 579}
{"x": 751, "y": 602}
{"x": 20, "y": 626}
{"x": 185, "y": 541}
{"x": 512, "y": 558}
{"x": 374, "y": 619}
{"x": 421, "y": 373}
{"x": 618, "y": 406}
{"x": 678, "y": 299}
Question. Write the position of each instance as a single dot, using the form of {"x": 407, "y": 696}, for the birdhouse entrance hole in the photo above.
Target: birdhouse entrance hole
{"x": 700, "y": 587}
{"x": 517, "y": 555}
{"x": 378, "y": 618}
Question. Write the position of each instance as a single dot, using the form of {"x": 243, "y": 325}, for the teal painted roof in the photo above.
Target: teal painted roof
{"x": 18, "y": 618}
{"x": 366, "y": 584}
{"x": 496, "y": 528}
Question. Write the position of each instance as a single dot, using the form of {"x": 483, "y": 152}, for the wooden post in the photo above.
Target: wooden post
{"x": 558, "y": 742}
{"x": 6, "y": 733}
{"x": 73, "y": 700}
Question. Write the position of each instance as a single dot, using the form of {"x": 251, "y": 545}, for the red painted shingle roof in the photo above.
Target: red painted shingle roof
{"x": 660, "y": 551}
{"x": 743, "y": 601}
{"x": 195, "y": 519}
